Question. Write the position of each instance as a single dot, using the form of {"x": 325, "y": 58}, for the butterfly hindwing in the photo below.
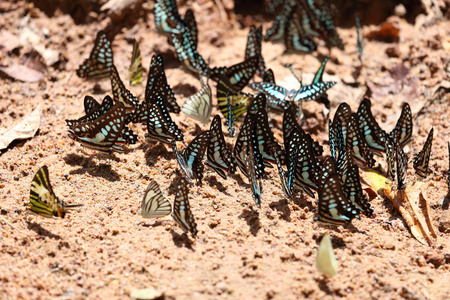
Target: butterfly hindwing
{"x": 422, "y": 158}
{"x": 199, "y": 105}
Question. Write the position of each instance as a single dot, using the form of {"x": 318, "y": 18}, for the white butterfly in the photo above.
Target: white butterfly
{"x": 154, "y": 204}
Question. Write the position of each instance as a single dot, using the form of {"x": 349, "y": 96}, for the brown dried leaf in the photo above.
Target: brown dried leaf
{"x": 25, "y": 129}
{"x": 387, "y": 32}
{"x": 22, "y": 73}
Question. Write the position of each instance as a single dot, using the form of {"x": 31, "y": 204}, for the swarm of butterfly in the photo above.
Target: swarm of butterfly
{"x": 297, "y": 22}
{"x": 354, "y": 137}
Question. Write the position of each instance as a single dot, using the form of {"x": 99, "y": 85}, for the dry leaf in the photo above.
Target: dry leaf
{"x": 146, "y": 294}
{"x": 25, "y": 129}
{"x": 8, "y": 41}
{"x": 22, "y": 73}
{"x": 411, "y": 203}
{"x": 387, "y": 32}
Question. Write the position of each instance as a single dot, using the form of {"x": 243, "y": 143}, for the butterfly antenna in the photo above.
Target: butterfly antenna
{"x": 289, "y": 66}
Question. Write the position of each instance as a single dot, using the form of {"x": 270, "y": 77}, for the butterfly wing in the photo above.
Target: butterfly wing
{"x": 402, "y": 133}
{"x": 194, "y": 153}
{"x": 422, "y": 158}
{"x": 189, "y": 20}
{"x": 253, "y": 48}
{"x": 160, "y": 126}
{"x": 354, "y": 192}
{"x": 154, "y": 204}
{"x": 93, "y": 111}
{"x": 313, "y": 91}
{"x": 181, "y": 209}
{"x": 219, "y": 157}
{"x": 402, "y": 167}
{"x": 238, "y": 100}
{"x": 90, "y": 104}
{"x": 120, "y": 93}
{"x": 100, "y": 61}
{"x": 238, "y": 75}
{"x": 102, "y": 133}
{"x": 135, "y": 70}
{"x": 276, "y": 95}
{"x": 368, "y": 126}
{"x": 357, "y": 144}
{"x": 296, "y": 38}
{"x": 199, "y": 105}
{"x": 43, "y": 200}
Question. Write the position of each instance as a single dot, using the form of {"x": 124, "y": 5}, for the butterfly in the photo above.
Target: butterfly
{"x": 289, "y": 124}
{"x": 345, "y": 159}
{"x": 191, "y": 24}
{"x": 231, "y": 119}
{"x": 186, "y": 51}
{"x": 94, "y": 110}
{"x": 100, "y": 60}
{"x": 266, "y": 142}
{"x": 402, "y": 133}
{"x": 167, "y": 18}
{"x": 237, "y": 75}
{"x": 220, "y": 158}
{"x": 359, "y": 42}
{"x": 43, "y": 200}
{"x": 278, "y": 29}
{"x": 422, "y": 158}
{"x": 253, "y": 48}
{"x": 228, "y": 96}
{"x": 192, "y": 157}
{"x": 368, "y": 126}
{"x": 157, "y": 84}
{"x": 334, "y": 207}
{"x": 327, "y": 168}
{"x": 154, "y": 204}
{"x": 248, "y": 157}
{"x": 199, "y": 105}
{"x": 402, "y": 167}
{"x": 301, "y": 163}
{"x": 135, "y": 70}
{"x": 318, "y": 78}
{"x": 357, "y": 144}
{"x": 102, "y": 133}
{"x": 120, "y": 93}
{"x": 343, "y": 113}
{"x": 269, "y": 77}
{"x": 390, "y": 157}
{"x": 332, "y": 142}
{"x": 181, "y": 209}
{"x": 160, "y": 126}
{"x": 354, "y": 192}
{"x": 295, "y": 37}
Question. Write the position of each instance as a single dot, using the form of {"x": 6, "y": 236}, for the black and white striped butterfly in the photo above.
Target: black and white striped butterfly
{"x": 371, "y": 131}
{"x": 220, "y": 158}
{"x": 100, "y": 60}
{"x": 422, "y": 158}
{"x": 248, "y": 157}
{"x": 199, "y": 105}
{"x": 155, "y": 204}
{"x": 160, "y": 126}
{"x": 253, "y": 48}
{"x": 181, "y": 209}
{"x": 237, "y": 75}
{"x": 43, "y": 201}
{"x": 135, "y": 70}
{"x": 121, "y": 94}
{"x": 191, "y": 161}
{"x": 357, "y": 144}
{"x": 101, "y": 133}
{"x": 402, "y": 133}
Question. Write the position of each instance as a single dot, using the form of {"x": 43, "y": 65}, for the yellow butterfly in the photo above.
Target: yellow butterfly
{"x": 43, "y": 200}
{"x": 135, "y": 69}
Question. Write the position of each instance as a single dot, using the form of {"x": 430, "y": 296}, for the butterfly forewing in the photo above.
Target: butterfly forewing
{"x": 327, "y": 168}
{"x": 219, "y": 156}
{"x": 100, "y": 61}
{"x": 276, "y": 95}
{"x": 154, "y": 204}
{"x": 334, "y": 208}
{"x": 120, "y": 93}
{"x": 368, "y": 126}
{"x": 253, "y": 48}
{"x": 238, "y": 75}
{"x": 93, "y": 111}
{"x": 167, "y": 18}
{"x": 194, "y": 153}
{"x": 228, "y": 96}
{"x": 135, "y": 70}
{"x": 357, "y": 144}
{"x": 160, "y": 126}
{"x": 189, "y": 20}
{"x": 90, "y": 104}
{"x": 269, "y": 77}
{"x": 422, "y": 158}
{"x": 402, "y": 133}
{"x": 343, "y": 113}
{"x": 181, "y": 209}
{"x": 313, "y": 91}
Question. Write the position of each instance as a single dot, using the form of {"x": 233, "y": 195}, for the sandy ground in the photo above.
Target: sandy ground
{"x": 105, "y": 250}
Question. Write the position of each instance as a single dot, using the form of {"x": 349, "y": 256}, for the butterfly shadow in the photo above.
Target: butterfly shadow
{"x": 212, "y": 181}
{"x": 282, "y": 206}
{"x": 182, "y": 240}
{"x": 337, "y": 242}
{"x": 42, "y": 231}
{"x": 301, "y": 201}
{"x": 239, "y": 180}
{"x": 153, "y": 151}
{"x": 323, "y": 285}
{"x": 252, "y": 219}
{"x": 89, "y": 166}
